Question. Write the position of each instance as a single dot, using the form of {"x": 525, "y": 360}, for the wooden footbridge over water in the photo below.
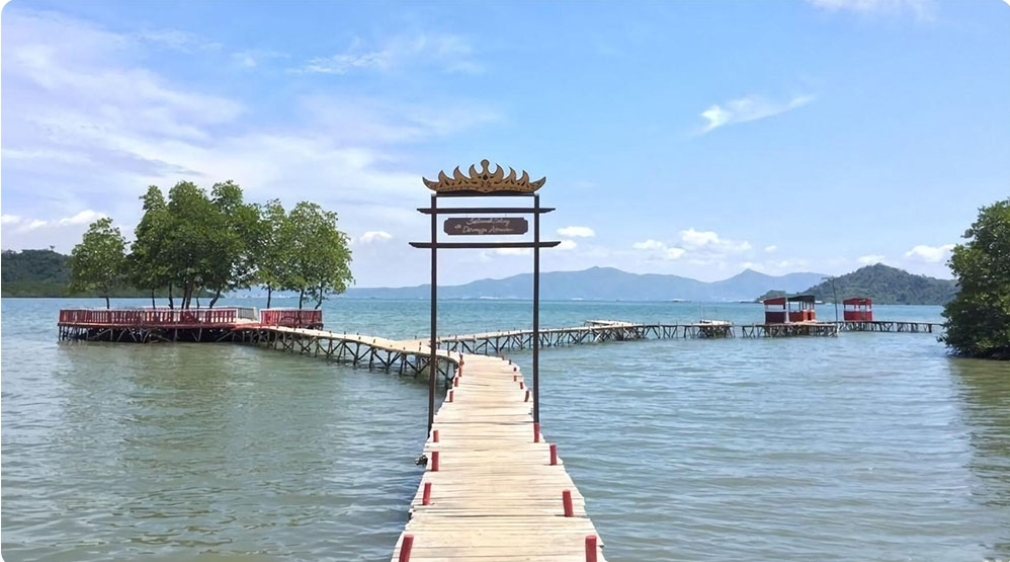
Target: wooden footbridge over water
{"x": 493, "y": 488}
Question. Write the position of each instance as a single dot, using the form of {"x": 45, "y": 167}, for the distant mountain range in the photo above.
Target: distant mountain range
{"x": 883, "y": 284}
{"x": 604, "y": 284}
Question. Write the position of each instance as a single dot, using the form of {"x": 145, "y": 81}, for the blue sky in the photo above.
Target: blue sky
{"x": 693, "y": 138}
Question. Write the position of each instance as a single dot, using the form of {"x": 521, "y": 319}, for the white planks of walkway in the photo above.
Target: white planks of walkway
{"x": 493, "y": 494}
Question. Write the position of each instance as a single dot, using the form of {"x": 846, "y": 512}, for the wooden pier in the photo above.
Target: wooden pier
{"x": 373, "y": 353}
{"x": 597, "y": 331}
{"x": 493, "y": 488}
{"x": 890, "y": 326}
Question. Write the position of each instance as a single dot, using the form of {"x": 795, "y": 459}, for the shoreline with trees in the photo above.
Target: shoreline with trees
{"x": 194, "y": 243}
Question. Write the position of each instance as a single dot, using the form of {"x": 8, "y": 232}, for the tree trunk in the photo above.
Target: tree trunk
{"x": 319, "y": 298}
{"x": 301, "y": 297}
{"x": 107, "y": 305}
{"x": 171, "y": 301}
{"x": 270, "y": 292}
{"x": 217, "y": 295}
{"x": 153, "y": 304}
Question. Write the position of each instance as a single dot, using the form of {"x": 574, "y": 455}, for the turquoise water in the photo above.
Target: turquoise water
{"x": 860, "y": 447}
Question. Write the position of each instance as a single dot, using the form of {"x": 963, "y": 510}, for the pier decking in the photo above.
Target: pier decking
{"x": 493, "y": 488}
{"x": 402, "y": 357}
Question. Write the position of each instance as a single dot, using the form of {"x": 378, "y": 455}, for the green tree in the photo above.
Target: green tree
{"x": 320, "y": 257}
{"x": 978, "y": 318}
{"x": 190, "y": 250}
{"x": 233, "y": 239}
{"x": 147, "y": 265}
{"x": 273, "y": 248}
{"x": 96, "y": 264}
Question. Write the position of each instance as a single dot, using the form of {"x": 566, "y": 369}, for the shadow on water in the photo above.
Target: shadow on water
{"x": 983, "y": 389}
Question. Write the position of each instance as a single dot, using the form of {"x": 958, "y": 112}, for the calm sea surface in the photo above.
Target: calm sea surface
{"x": 865, "y": 447}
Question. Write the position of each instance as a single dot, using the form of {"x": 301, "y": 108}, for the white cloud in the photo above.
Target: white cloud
{"x": 674, "y": 253}
{"x": 709, "y": 242}
{"x": 929, "y": 254}
{"x": 84, "y": 217}
{"x": 452, "y": 53}
{"x": 871, "y": 259}
{"x": 27, "y": 225}
{"x": 566, "y": 245}
{"x": 89, "y": 125}
{"x": 699, "y": 247}
{"x": 576, "y": 232}
{"x": 750, "y": 108}
{"x": 922, "y": 8}
{"x": 659, "y": 250}
{"x": 375, "y": 236}
{"x": 649, "y": 245}
{"x": 770, "y": 249}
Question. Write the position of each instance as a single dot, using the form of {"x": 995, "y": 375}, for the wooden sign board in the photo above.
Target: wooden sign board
{"x": 480, "y": 226}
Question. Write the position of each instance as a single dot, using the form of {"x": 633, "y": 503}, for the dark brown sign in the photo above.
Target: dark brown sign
{"x": 486, "y": 225}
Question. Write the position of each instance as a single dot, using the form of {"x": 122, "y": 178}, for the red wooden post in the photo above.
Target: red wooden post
{"x": 536, "y": 432}
{"x": 527, "y": 399}
{"x": 515, "y": 378}
{"x": 566, "y": 499}
{"x": 554, "y": 454}
{"x": 450, "y": 396}
{"x": 522, "y": 385}
{"x": 590, "y": 548}
{"x": 515, "y": 369}
{"x": 426, "y": 498}
{"x": 434, "y": 436}
{"x": 408, "y": 544}
{"x": 434, "y": 461}
{"x": 455, "y": 381}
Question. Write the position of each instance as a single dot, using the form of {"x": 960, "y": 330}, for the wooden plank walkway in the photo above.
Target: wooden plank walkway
{"x": 494, "y": 494}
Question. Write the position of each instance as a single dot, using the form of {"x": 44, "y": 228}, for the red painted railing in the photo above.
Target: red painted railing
{"x": 158, "y": 317}
{"x": 291, "y": 317}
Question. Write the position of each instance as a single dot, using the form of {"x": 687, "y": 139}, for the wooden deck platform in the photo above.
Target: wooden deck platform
{"x": 490, "y": 490}
{"x": 146, "y": 325}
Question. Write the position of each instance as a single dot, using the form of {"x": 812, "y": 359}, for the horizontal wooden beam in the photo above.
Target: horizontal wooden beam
{"x": 483, "y": 245}
{"x": 474, "y": 210}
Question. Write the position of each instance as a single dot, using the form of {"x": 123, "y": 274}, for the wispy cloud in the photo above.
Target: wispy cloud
{"x": 176, "y": 40}
{"x": 576, "y": 232}
{"x": 750, "y": 108}
{"x": 451, "y": 53}
{"x": 23, "y": 224}
{"x": 923, "y": 9}
{"x": 89, "y": 123}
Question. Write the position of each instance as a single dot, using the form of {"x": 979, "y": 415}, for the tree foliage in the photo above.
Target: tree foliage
{"x": 978, "y": 318}
{"x": 200, "y": 243}
{"x": 319, "y": 254}
{"x": 97, "y": 262}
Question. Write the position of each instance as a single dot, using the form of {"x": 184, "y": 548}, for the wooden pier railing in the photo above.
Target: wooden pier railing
{"x": 292, "y": 317}
{"x": 147, "y": 317}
